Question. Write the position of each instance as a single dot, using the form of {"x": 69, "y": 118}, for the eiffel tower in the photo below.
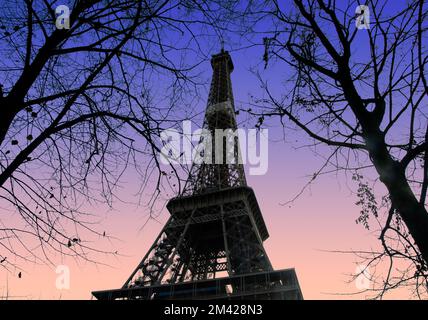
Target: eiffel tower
{"x": 212, "y": 245}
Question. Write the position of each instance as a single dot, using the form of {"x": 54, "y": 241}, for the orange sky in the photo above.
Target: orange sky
{"x": 322, "y": 219}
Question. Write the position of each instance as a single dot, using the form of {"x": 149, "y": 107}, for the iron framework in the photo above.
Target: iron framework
{"x": 212, "y": 245}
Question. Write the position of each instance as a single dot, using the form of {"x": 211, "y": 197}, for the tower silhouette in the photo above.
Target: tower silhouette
{"x": 212, "y": 245}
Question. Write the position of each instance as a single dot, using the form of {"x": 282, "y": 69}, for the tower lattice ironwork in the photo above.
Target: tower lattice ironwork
{"x": 212, "y": 245}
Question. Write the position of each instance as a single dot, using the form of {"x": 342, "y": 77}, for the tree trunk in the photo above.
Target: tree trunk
{"x": 6, "y": 117}
{"x": 392, "y": 174}
{"x": 413, "y": 213}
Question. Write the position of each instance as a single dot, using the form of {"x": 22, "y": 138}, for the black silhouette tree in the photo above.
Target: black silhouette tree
{"x": 77, "y": 109}
{"x": 363, "y": 93}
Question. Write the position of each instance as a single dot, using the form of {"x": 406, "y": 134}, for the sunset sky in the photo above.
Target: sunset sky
{"x": 322, "y": 219}
{"x": 306, "y": 234}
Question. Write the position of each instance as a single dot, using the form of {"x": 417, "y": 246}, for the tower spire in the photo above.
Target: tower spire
{"x": 225, "y": 169}
{"x": 221, "y": 84}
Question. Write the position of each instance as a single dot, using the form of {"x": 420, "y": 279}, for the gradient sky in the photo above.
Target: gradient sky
{"x": 302, "y": 234}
